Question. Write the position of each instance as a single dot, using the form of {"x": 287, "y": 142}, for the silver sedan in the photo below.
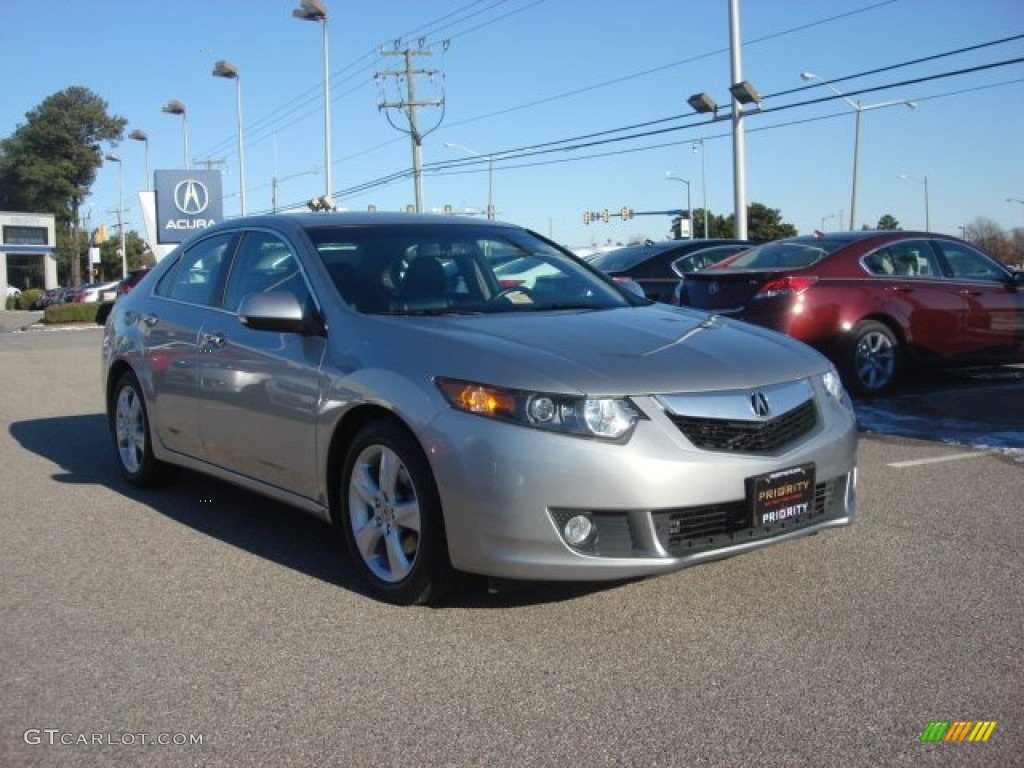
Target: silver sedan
{"x": 382, "y": 372}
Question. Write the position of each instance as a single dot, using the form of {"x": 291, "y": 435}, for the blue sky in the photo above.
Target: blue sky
{"x": 520, "y": 73}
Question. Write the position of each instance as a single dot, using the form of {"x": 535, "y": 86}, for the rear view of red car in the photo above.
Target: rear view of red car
{"x": 875, "y": 302}
{"x": 134, "y": 278}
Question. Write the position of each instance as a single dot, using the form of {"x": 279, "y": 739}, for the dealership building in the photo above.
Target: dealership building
{"x": 28, "y": 251}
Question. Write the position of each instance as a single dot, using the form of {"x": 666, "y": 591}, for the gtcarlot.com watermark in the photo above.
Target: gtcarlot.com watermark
{"x": 55, "y": 737}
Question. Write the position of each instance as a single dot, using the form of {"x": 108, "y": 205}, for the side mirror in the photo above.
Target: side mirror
{"x": 278, "y": 311}
{"x": 632, "y": 286}
{"x": 103, "y": 312}
{"x": 1018, "y": 278}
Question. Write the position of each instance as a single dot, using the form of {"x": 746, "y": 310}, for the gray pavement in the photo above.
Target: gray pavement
{"x": 199, "y": 611}
{"x": 17, "y": 320}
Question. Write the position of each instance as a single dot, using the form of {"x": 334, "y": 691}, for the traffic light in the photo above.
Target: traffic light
{"x": 605, "y": 216}
{"x": 586, "y": 217}
{"x": 626, "y": 213}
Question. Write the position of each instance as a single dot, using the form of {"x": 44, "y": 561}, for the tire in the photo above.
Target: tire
{"x": 129, "y": 423}
{"x": 874, "y": 359}
{"x": 390, "y": 513}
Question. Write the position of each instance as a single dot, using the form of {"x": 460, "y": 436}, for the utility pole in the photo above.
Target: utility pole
{"x": 409, "y": 105}
{"x": 209, "y": 163}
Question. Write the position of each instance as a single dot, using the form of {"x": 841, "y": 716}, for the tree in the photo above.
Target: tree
{"x": 110, "y": 254}
{"x": 888, "y": 221}
{"x": 763, "y": 224}
{"x": 49, "y": 163}
{"x": 988, "y": 236}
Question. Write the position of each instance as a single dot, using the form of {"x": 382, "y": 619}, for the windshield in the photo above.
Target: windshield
{"x": 443, "y": 269}
{"x": 783, "y": 254}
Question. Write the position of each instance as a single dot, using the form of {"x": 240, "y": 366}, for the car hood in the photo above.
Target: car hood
{"x": 636, "y": 350}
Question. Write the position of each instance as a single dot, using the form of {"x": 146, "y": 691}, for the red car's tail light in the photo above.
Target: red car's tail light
{"x": 785, "y": 286}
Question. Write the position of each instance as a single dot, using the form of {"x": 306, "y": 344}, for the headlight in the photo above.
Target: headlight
{"x": 609, "y": 418}
{"x": 833, "y": 385}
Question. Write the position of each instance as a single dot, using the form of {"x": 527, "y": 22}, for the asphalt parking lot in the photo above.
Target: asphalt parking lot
{"x": 230, "y": 626}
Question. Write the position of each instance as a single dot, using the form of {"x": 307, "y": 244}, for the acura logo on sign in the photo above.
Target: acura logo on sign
{"x": 191, "y": 197}
{"x": 759, "y": 405}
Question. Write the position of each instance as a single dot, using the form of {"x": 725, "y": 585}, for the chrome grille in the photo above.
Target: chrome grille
{"x": 748, "y": 436}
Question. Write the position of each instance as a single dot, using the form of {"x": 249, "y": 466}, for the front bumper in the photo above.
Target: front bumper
{"x": 658, "y": 503}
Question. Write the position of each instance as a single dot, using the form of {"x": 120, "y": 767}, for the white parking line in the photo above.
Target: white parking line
{"x": 938, "y": 459}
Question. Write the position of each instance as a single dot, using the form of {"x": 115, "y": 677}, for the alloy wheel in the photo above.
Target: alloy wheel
{"x": 384, "y": 513}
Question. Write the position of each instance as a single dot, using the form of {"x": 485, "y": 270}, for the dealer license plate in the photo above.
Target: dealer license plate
{"x": 780, "y": 496}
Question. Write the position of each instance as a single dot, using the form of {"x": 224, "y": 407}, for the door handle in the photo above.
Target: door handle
{"x": 214, "y": 340}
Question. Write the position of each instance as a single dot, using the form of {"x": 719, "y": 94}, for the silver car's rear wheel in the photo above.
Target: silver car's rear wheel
{"x": 129, "y": 421}
{"x": 874, "y": 358}
{"x": 391, "y": 516}
{"x": 130, "y": 429}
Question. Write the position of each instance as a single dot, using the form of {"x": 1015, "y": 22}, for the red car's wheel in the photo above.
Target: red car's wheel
{"x": 873, "y": 359}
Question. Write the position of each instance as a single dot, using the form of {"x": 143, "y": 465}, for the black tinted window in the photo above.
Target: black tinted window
{"x": 785, "y": 254}
{"x": 624, "y": 258}
{"x": 199, "y": 274}
{"x": 441, "y": 268}
{"x": 968, "y": 264}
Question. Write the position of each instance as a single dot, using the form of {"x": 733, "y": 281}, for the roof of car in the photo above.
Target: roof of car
{"x": 664, "y": 245}
{"x": 861, "y": 234}
{"x": 359, "y": 218}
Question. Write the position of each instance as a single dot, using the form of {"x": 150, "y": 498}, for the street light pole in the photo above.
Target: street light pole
{"x": 175, "y": 107}
{"x": 927, "y": 206}
{"x": 689, "y": 210}
{"x": 114, "y": 158}
{"x": 1015, "y": 200}
{"x": 140, "y": 135}
{"x": 739, "y": 161}
{"x": 315, "y": 10}
{"x": 859, "y": 108}
{"x": 703, "y": 181}
{"x": 490, "y": 173}
{"x": 230, "y": 71}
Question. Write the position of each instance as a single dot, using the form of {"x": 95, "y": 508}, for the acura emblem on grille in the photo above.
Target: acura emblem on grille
{"x": 759, "y": 405}
{"x": 713, "y": 288}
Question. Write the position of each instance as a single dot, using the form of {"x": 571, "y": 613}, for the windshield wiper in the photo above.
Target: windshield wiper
{"x": 709, "y": 322}
{"x": 567, "y": 305}
{"x": 433, "y": 312}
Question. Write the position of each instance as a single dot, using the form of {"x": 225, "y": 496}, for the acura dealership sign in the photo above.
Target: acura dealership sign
{"x": 186, "y": 201}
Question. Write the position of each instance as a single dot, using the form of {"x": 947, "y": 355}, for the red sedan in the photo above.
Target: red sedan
{"x": 874, "y": 301}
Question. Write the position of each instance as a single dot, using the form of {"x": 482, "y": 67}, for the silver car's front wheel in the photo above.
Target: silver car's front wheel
{"x": 391, "y": 516}
{"x": 384, "y": 513}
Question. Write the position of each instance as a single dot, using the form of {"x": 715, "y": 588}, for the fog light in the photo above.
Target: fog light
{"x": 542, "y": 409}
{"x": 577, "y": 530}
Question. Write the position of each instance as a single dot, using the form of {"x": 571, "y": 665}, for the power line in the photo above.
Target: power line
{"x": 576, "y": 142}
{"x": 307, "y": 103}
{"x": 527, "y": 157}
{"x": 266, "y": 125}
{"x": 671, "y": 65}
